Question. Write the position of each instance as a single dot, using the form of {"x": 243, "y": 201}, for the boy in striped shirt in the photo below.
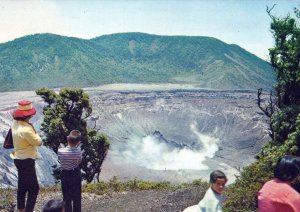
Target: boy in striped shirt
{"x": 70, "y": 159}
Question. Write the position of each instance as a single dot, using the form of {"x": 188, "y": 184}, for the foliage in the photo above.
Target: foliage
{"x": 285, "y": 58}
{"x": 115, "y": 185}
{"x": 94, "y": 155}
{"x": 66, "y": 111}
{"x": 284, "y": 114}
{"x": 58, "y": 61}
{"x": 200, "y": 182}
{"x": 242, "y": 195}
{"x": 284, "y": 122}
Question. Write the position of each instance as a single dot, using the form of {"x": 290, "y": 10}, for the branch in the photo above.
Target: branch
{"x": 269, "y": 110}
{"x": 265, "y": 110}
{"x": 269, "y": 10}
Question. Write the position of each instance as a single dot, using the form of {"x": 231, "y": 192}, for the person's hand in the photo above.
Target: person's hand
{"x": 12, "y": 155}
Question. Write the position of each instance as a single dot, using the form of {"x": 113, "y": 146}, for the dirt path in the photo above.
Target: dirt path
{"x": 135, "y": 201}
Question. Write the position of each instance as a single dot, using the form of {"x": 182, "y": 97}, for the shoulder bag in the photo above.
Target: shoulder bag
{"x": 8, "y": 142}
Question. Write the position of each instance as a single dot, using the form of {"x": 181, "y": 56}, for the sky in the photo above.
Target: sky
{"x": 241, "y": 22}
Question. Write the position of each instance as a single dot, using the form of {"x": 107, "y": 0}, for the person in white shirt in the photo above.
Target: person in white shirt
{"x": 213, "y": 198}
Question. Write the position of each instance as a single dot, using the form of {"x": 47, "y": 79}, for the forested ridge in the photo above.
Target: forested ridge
{"x": 50, "y": 60}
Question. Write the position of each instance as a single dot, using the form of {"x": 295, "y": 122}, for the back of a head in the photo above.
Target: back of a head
{"x": 287, "y": 168}
{"x": 54, "y": 205}
{"x": 74, "y": 137}
{"x": 217, "y": 174}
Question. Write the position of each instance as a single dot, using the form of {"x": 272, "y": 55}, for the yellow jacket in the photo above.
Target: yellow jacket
{"x": 25, "y": 140}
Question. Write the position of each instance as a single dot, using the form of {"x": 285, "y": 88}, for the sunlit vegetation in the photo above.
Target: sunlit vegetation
{"x": 48, "y": 60}
{"x": 283, "y": 109}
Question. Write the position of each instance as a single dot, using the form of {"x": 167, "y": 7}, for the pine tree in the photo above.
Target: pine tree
{"x": 66, "y": 111}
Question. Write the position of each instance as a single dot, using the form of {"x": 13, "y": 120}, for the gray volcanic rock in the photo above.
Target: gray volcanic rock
{"x": 178, "y": 134}
{"x": 159, "y": 132}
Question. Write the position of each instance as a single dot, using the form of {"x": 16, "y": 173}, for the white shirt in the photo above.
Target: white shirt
{"x": 211, "y": 202}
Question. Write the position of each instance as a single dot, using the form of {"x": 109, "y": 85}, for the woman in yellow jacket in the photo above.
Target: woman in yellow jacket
{"x": 25, "y": 141}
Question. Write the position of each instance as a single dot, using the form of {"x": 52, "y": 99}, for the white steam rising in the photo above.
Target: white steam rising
{"x": 153, "y": 153}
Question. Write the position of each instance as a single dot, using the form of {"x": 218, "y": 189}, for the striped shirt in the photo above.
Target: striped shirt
{"x": 69, "y": 157}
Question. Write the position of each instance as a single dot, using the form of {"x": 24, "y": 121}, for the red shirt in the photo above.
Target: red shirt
{"x": 278, "y": 196}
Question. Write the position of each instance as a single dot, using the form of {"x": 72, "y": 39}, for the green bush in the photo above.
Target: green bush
{"x": 242, "y": 195}
{"x": 285, "y": 121}
{"x": 115, "y": 185}
{"x": 200, "y": 182}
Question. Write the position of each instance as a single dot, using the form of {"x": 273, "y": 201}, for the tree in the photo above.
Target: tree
{"x": 283, "y": 109}
{"x": 66, "y": 111}
{"x": 285, "y": 58}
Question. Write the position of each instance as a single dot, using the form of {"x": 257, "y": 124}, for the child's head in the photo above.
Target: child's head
{"x": 218, "y": 180}
{"x": 74, "y": 137}
{"x": 54, "y": 205}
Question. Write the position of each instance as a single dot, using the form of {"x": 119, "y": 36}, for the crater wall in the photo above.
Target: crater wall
{"x": 174, "y": 134}
{"x": 178, "y": 134}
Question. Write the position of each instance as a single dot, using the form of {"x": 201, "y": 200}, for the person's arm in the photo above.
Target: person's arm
{"x": 32, "y": 137}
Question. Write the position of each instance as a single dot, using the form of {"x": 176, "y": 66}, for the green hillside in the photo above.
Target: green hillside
{"x": 56, "y": 61}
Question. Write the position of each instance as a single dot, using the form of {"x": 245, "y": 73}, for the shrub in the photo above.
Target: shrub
{"x": 115, "y": 185}
{"x": 242, "y": 195}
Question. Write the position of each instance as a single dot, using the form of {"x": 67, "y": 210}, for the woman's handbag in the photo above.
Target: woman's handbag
{"x": 8, "y": 142}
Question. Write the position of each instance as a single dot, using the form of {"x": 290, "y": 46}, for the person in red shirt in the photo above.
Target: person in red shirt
{"x": 277, "y": 195}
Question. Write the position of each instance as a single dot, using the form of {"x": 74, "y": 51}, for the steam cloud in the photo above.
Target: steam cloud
{"x": 152, "y": 153}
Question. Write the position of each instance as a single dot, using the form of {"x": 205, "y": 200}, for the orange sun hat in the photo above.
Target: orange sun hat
{"x": 25, "y": 109}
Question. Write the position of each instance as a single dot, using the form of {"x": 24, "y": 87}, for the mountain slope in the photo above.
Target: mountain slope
{"x": 49, "y": 60}
{"x": 55, "y": 61}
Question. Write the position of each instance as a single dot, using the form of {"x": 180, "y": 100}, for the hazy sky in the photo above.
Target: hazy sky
{"x": 243, "y": 22}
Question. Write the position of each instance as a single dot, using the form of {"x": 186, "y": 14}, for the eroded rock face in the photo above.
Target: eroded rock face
{"x": 178, "y": 135}
{"x": 163, "y": 134}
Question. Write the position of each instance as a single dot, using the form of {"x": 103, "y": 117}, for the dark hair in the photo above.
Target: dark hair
{"x": 217, "y": 174}
{"x": 54, "y": 205}
{"x": 21, "y": 118}
{"x": 74, "y": 136}
{"x": 287, "y": 168}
